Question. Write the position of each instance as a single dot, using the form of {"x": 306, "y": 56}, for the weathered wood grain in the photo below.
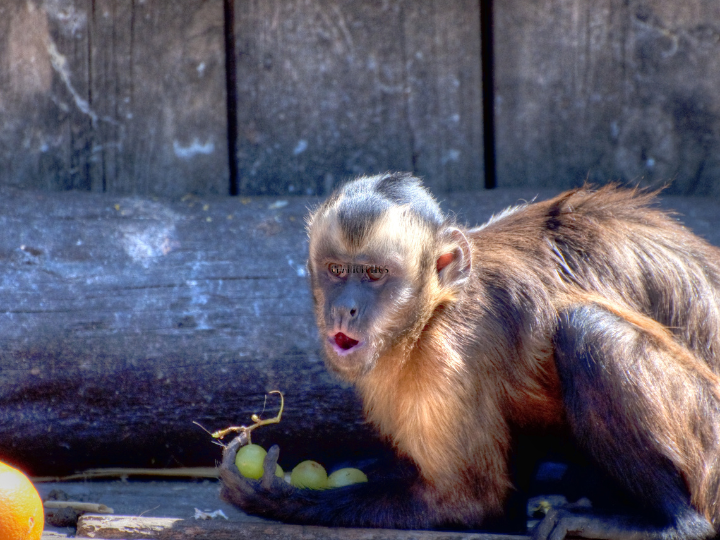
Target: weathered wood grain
{"x": 608, "y": 90}
{"x": 328, "y": 90}
{"x": 130, "y": 97}
{"x": 444, "y": 98}
{"x": 124, "y": 320}
{"x": 130, "y": 527}
{"x": 124, "y": 97}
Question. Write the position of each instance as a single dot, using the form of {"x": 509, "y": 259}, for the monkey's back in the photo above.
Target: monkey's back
{"x": 615, "y": 260}
{"x": 617, "y": 244}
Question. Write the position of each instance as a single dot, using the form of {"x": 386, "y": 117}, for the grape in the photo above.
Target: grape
{"x": 309, "y": 474}
{"x": 249, "y": 461}
{"x": 345, "y": 477}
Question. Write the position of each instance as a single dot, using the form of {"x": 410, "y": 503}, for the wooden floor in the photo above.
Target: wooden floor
{"x": 152, "y": 499}
{"x": 167, "y": 509}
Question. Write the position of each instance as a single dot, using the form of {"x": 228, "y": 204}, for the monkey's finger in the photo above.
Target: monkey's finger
{"x": 236, "y": 489}
{"x": 230, "y": 452}
{"x": 269, "y": 466}
{"x": 235, "y": 485}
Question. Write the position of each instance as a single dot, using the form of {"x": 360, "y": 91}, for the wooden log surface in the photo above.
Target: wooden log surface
{"x": 124, "y": 97}
{"x": 329, "y": 90}
{"x": 131, "y": 528}
{"x": 608, "y": 90}
{"x": 123, "y": 320}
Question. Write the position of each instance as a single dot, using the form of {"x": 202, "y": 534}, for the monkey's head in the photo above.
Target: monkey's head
{"x": 382, "y": 259}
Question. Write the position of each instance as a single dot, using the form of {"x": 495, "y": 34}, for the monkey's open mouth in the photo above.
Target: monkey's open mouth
{"x": 344, "y": 342}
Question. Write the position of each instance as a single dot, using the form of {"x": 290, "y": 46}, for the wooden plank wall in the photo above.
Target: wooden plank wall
{"x": 330, "y": 89}
{"x": 123, "y": 97}
{"x": 608, "y": 90}
{"x": 129, "y": 97}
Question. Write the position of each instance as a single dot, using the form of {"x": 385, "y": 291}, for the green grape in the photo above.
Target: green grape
{"x": 249, "y": 461}
{"x": 345, "y": 477}
{"x": 309, "y": 474}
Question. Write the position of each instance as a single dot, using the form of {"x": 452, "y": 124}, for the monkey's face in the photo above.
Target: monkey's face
{"x": 381, "y": 261}
{"x": 357, "y": 302}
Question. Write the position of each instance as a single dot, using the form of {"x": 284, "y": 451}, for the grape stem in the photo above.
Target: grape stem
{"x": 257, "y": 422}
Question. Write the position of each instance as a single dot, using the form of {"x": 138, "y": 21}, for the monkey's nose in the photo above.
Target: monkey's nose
{"x": 345, "y": 311}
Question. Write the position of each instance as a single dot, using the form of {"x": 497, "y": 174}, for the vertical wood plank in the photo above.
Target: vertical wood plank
{"x": 319, "y": 93}
{"x": 35, "y": 144}
{"x": 444, "y": 93}
{"x": 608, "y": 90}
{"x": 178, "y": 64}
{"x": 125, "y": 97}
{"x": 331, "y": 89}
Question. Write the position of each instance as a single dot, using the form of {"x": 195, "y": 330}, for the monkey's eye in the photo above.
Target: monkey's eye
{"x": 376, "y": 272}
{"x": 336, "y": 270}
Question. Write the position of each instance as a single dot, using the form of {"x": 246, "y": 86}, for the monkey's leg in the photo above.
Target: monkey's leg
{"x": 390, "y": 503}
{"x": 619, "y": 385}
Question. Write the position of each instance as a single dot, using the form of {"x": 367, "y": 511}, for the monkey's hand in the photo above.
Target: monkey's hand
{"x": 260, "y": 497}
{"x": 369, "y": 504}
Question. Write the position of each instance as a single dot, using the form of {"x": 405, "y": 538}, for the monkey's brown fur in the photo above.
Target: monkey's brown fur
{"x": 447, "y": 399}
{"x": 460, "y": 359}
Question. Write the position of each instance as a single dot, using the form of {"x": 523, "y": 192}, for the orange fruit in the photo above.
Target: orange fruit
{"x": 21, "y": 510}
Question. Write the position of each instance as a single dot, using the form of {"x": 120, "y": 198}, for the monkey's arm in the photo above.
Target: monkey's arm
{"x": 616, "y": 387}
{"x": 392, "y": 504}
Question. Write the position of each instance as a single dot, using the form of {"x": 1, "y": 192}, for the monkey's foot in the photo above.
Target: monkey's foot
{"x": 561, "y": 523}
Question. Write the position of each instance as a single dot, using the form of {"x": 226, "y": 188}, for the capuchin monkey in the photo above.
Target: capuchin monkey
{"x": 592, "y": 316}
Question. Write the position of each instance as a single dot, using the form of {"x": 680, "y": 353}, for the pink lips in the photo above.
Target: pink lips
{"x": 345, "y": 342}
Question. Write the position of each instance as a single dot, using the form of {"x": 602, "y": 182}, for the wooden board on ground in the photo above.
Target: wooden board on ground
{"x": 123, "y": 320}
{"x": 131, "y": 528}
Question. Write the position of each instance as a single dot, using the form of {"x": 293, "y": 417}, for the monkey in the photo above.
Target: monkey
{"x": 593, "y": 316}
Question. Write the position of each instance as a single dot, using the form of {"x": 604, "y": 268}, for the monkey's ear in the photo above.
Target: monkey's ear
{"x": 455, "y": 261}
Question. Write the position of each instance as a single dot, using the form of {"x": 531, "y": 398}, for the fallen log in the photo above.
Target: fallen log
{"x": 124, "y": 320}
